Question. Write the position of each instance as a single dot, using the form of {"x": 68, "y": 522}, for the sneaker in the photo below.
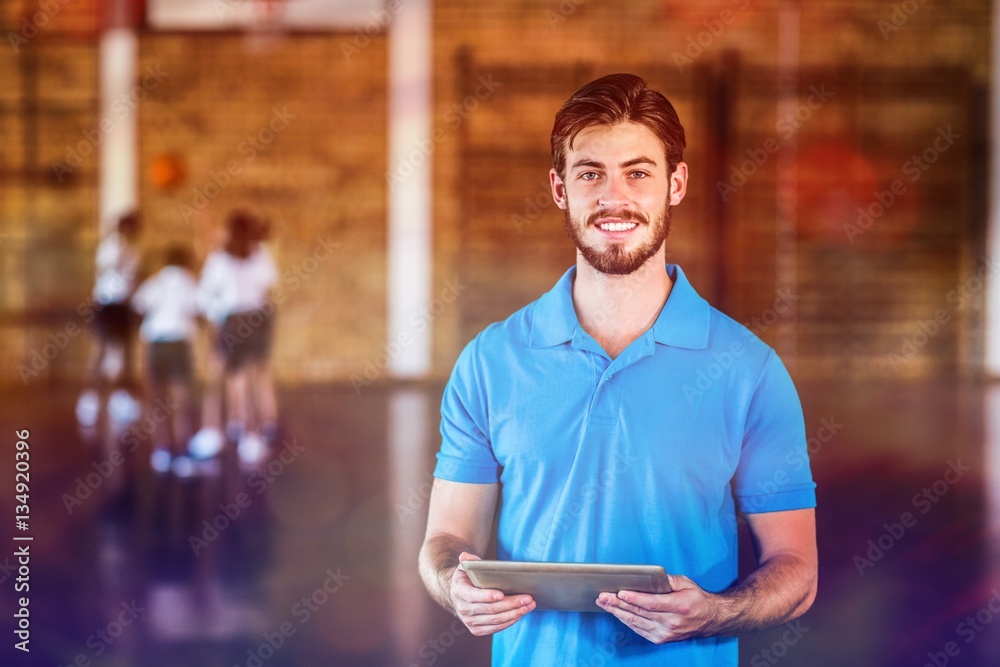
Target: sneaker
{"x": 122, "y": 408}
{"x": 160, "y": 460}
{"x": 251, "y": 449}
{"x": 88, "y": 407}
{"x": 206, "y": 443}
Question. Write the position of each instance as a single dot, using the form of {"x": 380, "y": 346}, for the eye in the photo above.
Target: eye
{"x": 638, "y": 174}
{"x": 589, "y": 176}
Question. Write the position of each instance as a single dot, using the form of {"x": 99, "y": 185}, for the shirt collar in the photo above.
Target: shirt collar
{"x": 683, "y": 321}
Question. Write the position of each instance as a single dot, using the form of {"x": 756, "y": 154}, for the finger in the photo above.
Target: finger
{"x": 611, "y": 601}
{"x": 504, "y": 618}
{"x": 484, "y": 630}
{"x": 637, "y": 623}
{"x": 459, "y": 572}
{"x": 472, "y": 608}
{"x": 481, "y": 626}
{"x": 462, "y": 587}
{"x": 465, "y": 590}
{"x": 645, "y": 601}
{"x": 493, "y": 629}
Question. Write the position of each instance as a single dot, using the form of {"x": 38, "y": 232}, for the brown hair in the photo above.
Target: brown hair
{"x": 129, "y": 223}
{"x": 244, "y": 234}
{"x": 613, "y": 99}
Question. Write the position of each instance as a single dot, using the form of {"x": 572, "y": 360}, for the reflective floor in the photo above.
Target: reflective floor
{"x": 310, "y": 558}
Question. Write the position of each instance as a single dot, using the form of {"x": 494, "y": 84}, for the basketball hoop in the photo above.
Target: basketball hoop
{"x": 267, "y": 14}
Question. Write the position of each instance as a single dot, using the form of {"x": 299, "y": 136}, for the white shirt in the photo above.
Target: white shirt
{"x": 169, "y": 304}
{"x": 117, "y": 264}
{"x": 230, "y": 285}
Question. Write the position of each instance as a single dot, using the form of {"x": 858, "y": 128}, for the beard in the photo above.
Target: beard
{"x": 616, "y": 260}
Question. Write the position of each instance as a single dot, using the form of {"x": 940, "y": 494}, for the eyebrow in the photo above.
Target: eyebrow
{"x": 642, "y": 159}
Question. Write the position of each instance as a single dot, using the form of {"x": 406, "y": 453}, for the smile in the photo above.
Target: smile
{"x": 617, "y": 226}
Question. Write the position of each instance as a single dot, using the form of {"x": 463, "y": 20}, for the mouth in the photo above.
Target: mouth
{"x": 617, "y": 226}
{"x": 616, "y": 223}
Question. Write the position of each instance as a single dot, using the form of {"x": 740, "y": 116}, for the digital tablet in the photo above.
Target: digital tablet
{"x": 565, "y": 586}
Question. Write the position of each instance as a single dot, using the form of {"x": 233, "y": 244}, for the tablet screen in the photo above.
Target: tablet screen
{"x": 565, "y": 586}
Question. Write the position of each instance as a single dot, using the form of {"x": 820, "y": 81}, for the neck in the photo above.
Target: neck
{"x": 615, "y": 310}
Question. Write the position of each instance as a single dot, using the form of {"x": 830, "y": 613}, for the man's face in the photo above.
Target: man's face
{"x": 616, "y": 196}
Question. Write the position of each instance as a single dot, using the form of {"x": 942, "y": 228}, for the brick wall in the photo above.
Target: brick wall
{"x": 897, "y": 79}
{"x": 324, "y": 173}
{"x": 289, "y": 128}
{"x": 292, "y": 130}
{"x": 47, "y": 219}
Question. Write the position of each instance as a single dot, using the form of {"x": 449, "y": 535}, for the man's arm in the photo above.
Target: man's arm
{"x": 782, "y": 588}
{"x": 459, "y": 525}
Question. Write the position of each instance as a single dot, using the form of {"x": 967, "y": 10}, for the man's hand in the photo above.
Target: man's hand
{"x": 686, "y": 612}
{"x": 459, "y": 525}
{"x": 781, "y": 589}
{"x": 485, "y": 611}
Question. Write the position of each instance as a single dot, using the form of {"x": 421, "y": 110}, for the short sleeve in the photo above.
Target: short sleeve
{"x": 466, "y": 454}
{"x": 144, "y": 296}
{"x": 773, "y": 473}
{"x": 212, "y": 292}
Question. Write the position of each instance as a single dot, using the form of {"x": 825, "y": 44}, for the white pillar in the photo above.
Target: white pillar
{"x": 119, "y": 149}
{"x": 993, "y": 228}
{"x": 411, "y": 151}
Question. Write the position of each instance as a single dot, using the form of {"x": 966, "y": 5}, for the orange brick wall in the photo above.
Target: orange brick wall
{"x": 294, "y": 131}
{"x": 48, "y": 66}
{"x": 324, "y": 173}
{"x": 857, "y": 303}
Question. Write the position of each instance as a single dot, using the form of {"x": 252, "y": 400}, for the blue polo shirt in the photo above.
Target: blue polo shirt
{"x": 643, "y": 459}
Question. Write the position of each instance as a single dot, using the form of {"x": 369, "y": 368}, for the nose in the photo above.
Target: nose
{"x": 613, "y": 194}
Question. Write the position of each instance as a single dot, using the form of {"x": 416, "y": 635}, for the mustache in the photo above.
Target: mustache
{"x": 621, "y": 214}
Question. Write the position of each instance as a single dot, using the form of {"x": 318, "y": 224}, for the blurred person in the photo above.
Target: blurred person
{"x": 581, "y": 429}
{"x": 234, "y": 294}
{"x": 111, "y": 365}
{"x": 168, "y": 303}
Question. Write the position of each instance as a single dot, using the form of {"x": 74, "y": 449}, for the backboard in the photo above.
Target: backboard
{"x": 305, "y": 15}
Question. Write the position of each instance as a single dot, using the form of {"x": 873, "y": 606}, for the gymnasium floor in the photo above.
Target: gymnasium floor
{"x": 310, "y": 561}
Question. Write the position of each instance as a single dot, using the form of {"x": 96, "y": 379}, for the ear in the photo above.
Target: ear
{"x": 558, "y": 189}
{"x": 678, "y": 183}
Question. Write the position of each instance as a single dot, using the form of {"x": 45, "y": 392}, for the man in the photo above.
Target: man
{"x": 583, "y": 417}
